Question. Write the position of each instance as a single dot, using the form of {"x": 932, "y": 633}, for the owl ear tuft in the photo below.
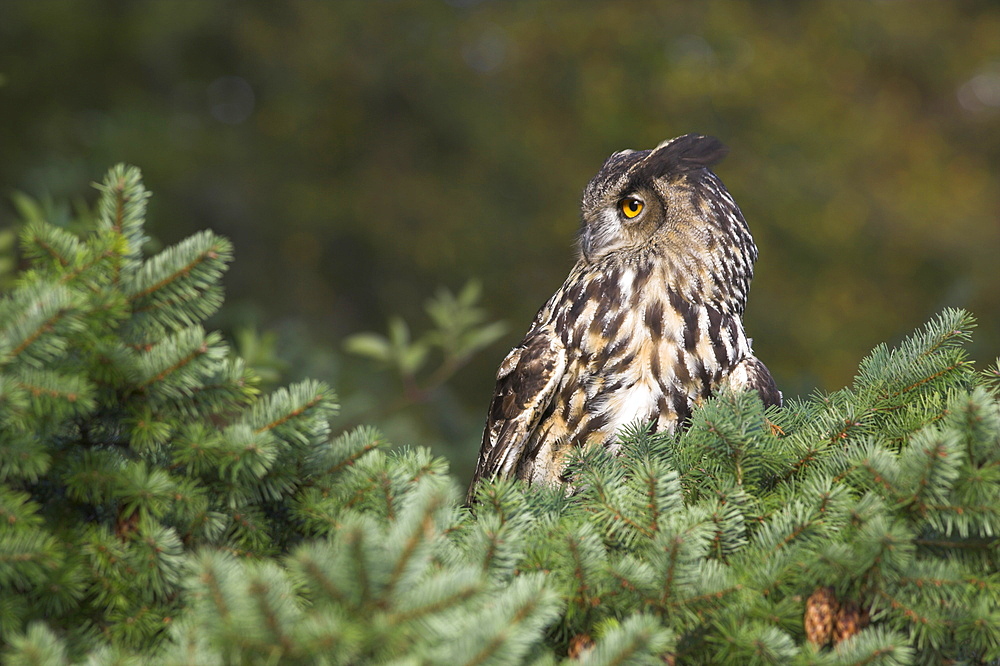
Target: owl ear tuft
{"x": 695, "y": 150}
{"x": 685, "y": 153}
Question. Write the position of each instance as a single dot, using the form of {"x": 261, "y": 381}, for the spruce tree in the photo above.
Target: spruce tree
{"x": 129, "y": 435}
{"x": 157, "y": 509}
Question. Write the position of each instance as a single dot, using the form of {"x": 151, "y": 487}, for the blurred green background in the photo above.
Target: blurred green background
{"x": 362, "y": 154}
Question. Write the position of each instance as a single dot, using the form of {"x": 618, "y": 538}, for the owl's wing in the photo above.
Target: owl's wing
{"x": 526, "y": 382}
{"x": 751, "y": 374}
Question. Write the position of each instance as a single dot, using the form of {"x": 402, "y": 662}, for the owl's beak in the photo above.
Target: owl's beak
{"x": 586, "y": 241}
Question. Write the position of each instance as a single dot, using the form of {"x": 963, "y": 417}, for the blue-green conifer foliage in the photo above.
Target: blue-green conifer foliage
{"x": 157, "y": 508}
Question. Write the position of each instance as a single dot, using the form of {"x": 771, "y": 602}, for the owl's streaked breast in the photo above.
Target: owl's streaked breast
{"x": 639, "y": 352}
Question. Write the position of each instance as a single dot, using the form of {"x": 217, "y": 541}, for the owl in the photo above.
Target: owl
{"x": 648, "y": 324}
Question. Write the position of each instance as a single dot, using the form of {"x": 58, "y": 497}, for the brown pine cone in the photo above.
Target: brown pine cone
{"x": 821, "y": 610}
{"x": 850, "y": 620}
{"x": 580, "y": 645}
{"x": 126, "y": 525}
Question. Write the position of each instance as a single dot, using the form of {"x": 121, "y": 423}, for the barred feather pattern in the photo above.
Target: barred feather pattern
{"x": 646, "y": 326}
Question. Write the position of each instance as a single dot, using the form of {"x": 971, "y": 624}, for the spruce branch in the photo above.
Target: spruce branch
{"x": 66, "y": 396}
{"x": 42, "y": 241}
{"x": 298, "y": 414}
{"x": 34, "y": 322}
{"x": 22, "y": 458}
{"x": 505, "y": 629}
{"x": 179, "y": 287}
{"x": 27, "y": 554}
{"x": 121, "y": 212}
{"x": 328, "y": 460}
{"x": 752, "y": 643}
{"x": 639, "y": 639}
{"x": 313, "y": 568}
{"x": 440, "y": 592}
{"x": 38, "y": 646}
{"x": 929, "y": 467}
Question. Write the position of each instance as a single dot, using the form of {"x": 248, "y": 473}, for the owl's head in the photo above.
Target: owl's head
{"x": 666, "y": 203}
{"x": 642, "y": 196}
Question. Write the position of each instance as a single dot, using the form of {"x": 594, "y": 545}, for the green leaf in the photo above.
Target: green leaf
{"x": 371, "y": 345}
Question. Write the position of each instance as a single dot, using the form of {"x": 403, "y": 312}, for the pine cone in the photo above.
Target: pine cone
{"x": 850, "y": 620}
{"x": 821, "y": 609}
{"x": 126, "y": 525}
{"x": 580, "y": 645}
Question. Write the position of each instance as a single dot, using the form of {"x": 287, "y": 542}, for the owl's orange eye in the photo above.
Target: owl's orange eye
{"x": 631, "y": 207}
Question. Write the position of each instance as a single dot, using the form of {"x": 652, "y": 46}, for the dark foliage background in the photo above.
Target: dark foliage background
{"x": 361, "y": 154}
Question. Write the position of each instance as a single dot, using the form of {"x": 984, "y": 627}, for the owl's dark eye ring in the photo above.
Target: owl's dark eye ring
{"x": 631, "y": 207}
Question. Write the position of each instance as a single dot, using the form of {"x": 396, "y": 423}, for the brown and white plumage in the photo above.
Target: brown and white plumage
{"x": 647, "y": 325}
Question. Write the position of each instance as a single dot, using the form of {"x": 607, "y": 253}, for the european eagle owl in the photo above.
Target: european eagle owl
{"x": 648, "y": 323}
